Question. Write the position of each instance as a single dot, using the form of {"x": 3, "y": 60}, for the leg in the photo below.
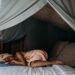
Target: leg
{"x": 44, "y": 63}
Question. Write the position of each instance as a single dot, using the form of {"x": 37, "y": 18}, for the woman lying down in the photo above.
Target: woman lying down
{"x": 33, "y": 58}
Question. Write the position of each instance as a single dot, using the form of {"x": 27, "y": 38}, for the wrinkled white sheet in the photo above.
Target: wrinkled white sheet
{"x": 21, "y": 70}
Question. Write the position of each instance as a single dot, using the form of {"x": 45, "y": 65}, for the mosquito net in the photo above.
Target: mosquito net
{"x": 12, "y": 12}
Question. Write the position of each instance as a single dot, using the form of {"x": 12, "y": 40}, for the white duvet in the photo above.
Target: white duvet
{"x": 21, "y": 70}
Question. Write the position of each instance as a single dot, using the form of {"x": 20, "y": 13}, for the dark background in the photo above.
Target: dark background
{"x": 39, "y": 35}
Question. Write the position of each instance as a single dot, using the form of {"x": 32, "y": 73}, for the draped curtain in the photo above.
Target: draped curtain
{"x": 13, "y": 12}
{"x": 66, "y": 10}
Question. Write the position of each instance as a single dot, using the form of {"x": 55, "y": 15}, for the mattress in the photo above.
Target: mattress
{"x": 22, "y": 70}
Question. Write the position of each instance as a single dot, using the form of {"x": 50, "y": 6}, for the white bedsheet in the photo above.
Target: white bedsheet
{"x": 21, "y": 70}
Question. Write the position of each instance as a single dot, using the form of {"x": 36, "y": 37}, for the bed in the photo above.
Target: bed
{"x": 6, "y": 69}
